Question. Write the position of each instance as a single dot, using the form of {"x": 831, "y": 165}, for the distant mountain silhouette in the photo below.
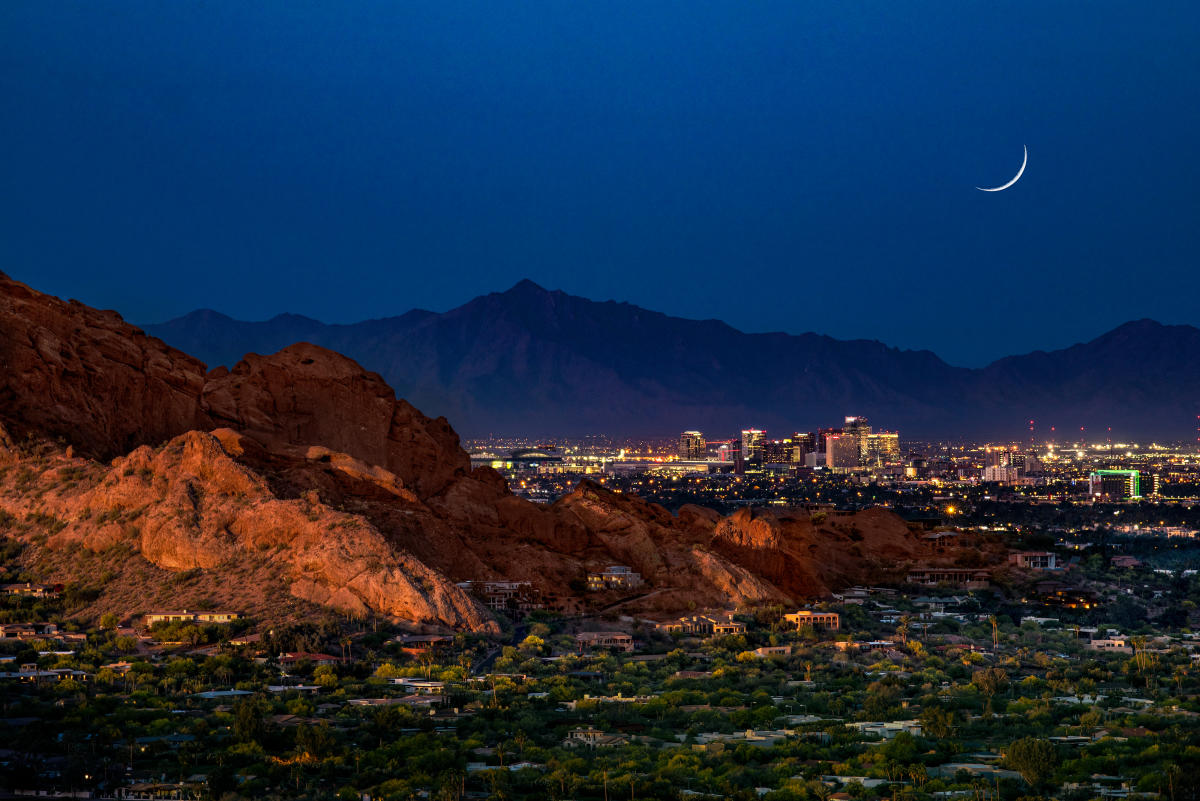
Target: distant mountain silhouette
{"x": 533, "y": 361}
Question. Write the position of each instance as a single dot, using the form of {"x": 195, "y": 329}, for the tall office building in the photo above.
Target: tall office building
{"x": 857, "y": 426}
{"x": 841, "y": 451}
{"x": 777, "y": 451}
{"x": 802, "y": 445}
{"x": 1115, "y": 484}
{"x": 860, "y": 429}
{"x": 692, "y": 447}
{"x": 752, "y": 446}
{"x": 880, "y": 449}
{"x": 822, "y": 437}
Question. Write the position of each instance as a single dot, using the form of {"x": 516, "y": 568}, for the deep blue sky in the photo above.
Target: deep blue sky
{"x": 782, "y": 166}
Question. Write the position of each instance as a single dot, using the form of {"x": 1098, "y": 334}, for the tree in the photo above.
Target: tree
{"x": 937, "y": 723}
{"x": 248, "y": 720}
{"x": 325, "y": 676}
{"x": 1034, "y": 759}
{"x": 989, "y": 681}
{"x": 314, "y": 741}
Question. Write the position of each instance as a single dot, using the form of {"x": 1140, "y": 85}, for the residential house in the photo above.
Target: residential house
{"x": 186, "y": 616}
{"x": 821, "y": 621}
{"x": 614, "y": 577}
{"x": 611, "y": 640}
{"x": 1034, "y": 560}
{"x": 960, "y": 577}
{"x": 291, "y": 659}
{"x": 888, "y": 730}
{"x": 506, "y": 596}
{"x": 587, "y": 737}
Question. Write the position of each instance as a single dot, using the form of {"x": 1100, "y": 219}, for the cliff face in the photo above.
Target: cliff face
{"x": 188, "y": 506}
{"x": 299, "y": 477}
{"x": 806, "y": 557}
{"x": 86, "y": 376}
{"x": 306, "y": 395}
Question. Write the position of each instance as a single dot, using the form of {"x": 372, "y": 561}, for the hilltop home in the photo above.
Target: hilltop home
{"x": 1034, "y": 560}
{"x": 614, "y": 577}
{"x": 184, "y": 616}
{"x": 824, "y": 621}
{"x": 417, "y": 644}
{"x": 613, "y": 640}
{"x": 709, "y": 625}
{"x": 933, "y": 576}
{"x": 30, "y": 590}
{"x": 506, "y": 596}
{"x": 27, "y": 631}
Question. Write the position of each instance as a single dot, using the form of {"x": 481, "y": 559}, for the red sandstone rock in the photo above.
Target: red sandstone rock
{"x": 306, "y": 395}
{"x": 71, "y": 372}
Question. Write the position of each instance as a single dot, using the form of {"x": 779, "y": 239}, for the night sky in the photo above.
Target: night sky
{"x": 796, "y": 166}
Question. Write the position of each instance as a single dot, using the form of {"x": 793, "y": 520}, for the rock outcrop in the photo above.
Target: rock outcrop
{"x": 189, "y": 506}
{"x": 306, "y": 395}
{"x": 72, "y": 372}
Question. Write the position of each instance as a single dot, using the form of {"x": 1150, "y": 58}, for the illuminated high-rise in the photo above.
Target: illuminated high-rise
{"x": 841, "y": 451}
{"x": 858, "y": 428}
{"x": 880, "y": 449}
{"x": 752, "y": 445}
{"x": 802, "y": 445}
{"x": 1115, "y": 484}
{"x": 692, "y": 447}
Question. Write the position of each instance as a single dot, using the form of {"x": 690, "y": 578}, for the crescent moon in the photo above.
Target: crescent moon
{"x": 1016, "y": 177}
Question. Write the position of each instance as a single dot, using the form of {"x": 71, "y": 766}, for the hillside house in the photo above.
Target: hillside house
{"x": 292, "y": 659}
{"x": 818, "y": 621}
{"x": 614, "y": 577}
{"x": 717, "y": 625}
{"x": 610, "y": 640}
{"x": 1034, "y": 560}
{"x": 959, "y": 577}
{"x": 506, "y": 596}
{"x": 27, "y": 631}
{"x": 31, "y": 590}
{"x": 185, "y": 616}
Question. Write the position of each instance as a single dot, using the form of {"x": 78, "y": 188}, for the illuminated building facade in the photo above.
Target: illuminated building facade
{"x": 802, "y": 445}
{"x": 825, "y": 621}
{"x": 692, "y": 447}
{"x": 879, "y": 449}
{"x": 777, "y": 451}
{"x": 753, "y": 441}
{"x": 1115, "y": 484}
{"x": 841, "y": 452}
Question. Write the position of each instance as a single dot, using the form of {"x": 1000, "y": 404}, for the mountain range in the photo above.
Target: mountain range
{"x": 295, "y": 483}
{"x": 531, "y": 361}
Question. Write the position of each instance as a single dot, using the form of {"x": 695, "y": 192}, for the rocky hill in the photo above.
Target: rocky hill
{"x": 299, "y": 478}
{"x": 539, "y": 362}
